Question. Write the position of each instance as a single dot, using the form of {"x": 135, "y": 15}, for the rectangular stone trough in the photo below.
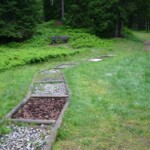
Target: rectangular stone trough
{"x": 35, "y": 137}
{"x": 38, "y": 110}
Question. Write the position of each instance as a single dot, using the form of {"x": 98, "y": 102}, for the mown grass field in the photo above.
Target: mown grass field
{"x": 109, "y": 107}
{"x": 110, "y": 104}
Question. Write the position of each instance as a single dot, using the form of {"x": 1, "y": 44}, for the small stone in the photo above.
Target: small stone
{"x": 23, "y": 138}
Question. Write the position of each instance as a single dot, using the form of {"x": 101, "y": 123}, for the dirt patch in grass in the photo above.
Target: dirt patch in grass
{"x": 41, "y": 108}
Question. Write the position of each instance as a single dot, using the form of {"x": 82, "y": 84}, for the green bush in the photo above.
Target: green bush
{"x": 17, "y": 19}
{"x": 38, "y": 49}
{"x": 128, "y": 34}
{"x": 79, "y": 38}
{"x": 11, "y": 57}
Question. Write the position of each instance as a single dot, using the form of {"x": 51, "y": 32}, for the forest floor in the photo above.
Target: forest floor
{"x": 109, "y": 107}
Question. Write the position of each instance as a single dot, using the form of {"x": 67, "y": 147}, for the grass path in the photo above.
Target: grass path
{"x": 110, "y": 102}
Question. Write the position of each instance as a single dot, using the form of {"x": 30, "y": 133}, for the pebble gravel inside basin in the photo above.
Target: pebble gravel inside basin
{"x": 54, "y": 89}
{"x": 25, "y": 138}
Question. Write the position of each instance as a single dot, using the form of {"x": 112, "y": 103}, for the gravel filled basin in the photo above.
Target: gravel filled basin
{"x": 25, "y": 138}
{"x": 50, "y": 89}
{"x": 41, "y": 108}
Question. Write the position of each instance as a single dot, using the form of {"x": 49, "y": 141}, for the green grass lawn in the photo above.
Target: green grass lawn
{"x": 109, "y": 107}
{"x": 110, "y": 104}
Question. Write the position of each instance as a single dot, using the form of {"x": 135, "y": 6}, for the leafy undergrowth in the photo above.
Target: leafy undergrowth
{"x": 38, "y": 49}
{"x": 78, "y": 38}
{"x": 12, "y": 58}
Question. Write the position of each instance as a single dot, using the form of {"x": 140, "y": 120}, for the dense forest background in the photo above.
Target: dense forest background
{"x": 104, "y": 18}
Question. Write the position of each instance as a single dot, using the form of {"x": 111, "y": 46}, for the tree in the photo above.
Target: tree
{"x": 100, "y": 16}
{"x": 54, "y": 9}
{"x": 138, "y": 14}
{"x": 62, "y": 9}
{"x": 143, "y": 14}
{"x": 47, "y": 9}
{"x": 105, "y": 18}
{"x": 17, "y": 19}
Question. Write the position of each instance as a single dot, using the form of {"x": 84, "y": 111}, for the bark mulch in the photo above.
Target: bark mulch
{"x": 41, "y": 108}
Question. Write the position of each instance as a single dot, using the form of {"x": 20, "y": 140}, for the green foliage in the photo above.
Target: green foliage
{"x": 40, "y": 11}
{"x": 141, "y": 15}
{"x": 105, "y": 18}
{"x": 11, "y": 57}
{"x": 128, "y": 34}
{"x": 62, "y": 133}
{"x": 3, "y": 128}
{"x": 87, "y": 40}
{"x": 78, "y": 38}
{"x": 38, "y": 49}
{"x": 18, "y": 19}
{"x": 52, "y": 9}
{"x": 100, "y": 16}
{"x": 47, "y": 10}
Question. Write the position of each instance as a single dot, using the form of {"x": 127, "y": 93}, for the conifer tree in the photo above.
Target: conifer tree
{"x": 17, "y": 19}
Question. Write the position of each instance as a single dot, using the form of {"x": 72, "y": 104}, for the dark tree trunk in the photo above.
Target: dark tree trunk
{"x": 147, "y": 25}
{"x": 119, "y": 28}
{"x": 119, "y": 24}
{"x": 131, "y": 22}
{"x": 62, "y": 12}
